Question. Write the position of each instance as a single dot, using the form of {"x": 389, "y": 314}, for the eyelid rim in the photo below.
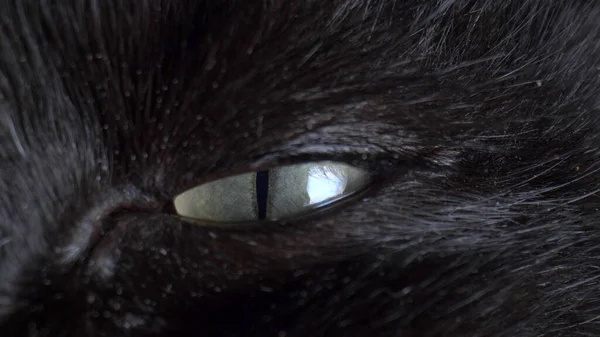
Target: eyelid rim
{"x": 315, "y": 210}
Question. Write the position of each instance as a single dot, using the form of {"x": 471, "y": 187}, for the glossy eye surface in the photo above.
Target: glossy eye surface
{"x": 275, "y": 194}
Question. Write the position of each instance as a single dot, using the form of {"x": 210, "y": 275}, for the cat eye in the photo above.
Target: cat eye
{"x": 274, "y": 194}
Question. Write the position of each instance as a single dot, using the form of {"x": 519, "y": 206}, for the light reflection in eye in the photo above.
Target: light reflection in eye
{"x": 324, "y": 184}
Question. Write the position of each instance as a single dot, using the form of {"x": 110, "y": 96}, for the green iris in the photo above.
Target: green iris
{"x": 274, "y": 194}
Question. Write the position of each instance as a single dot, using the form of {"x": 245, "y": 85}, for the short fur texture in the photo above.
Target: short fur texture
{"x": 480, "y": 118}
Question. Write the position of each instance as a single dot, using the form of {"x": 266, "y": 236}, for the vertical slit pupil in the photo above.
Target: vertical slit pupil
{"x": 262, "y": 193}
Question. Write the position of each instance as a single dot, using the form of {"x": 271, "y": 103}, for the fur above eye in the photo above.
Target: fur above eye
{"x": 274, "y": 194}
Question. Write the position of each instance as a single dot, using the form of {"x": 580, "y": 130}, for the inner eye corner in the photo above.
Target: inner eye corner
{"x": 169, "y": 207}
{"x": 277, "y": 194}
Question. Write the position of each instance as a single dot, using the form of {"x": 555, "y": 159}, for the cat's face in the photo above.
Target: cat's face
{"x": 476, "y": 122}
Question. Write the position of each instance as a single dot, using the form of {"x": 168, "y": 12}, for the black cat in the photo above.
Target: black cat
{"x": 476, "y": 121}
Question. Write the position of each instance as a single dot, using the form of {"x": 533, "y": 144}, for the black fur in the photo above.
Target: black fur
{"x": 479, "y": 117}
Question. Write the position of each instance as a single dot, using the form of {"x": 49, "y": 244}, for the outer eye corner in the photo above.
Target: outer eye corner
{"x": 277, "y": 194}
